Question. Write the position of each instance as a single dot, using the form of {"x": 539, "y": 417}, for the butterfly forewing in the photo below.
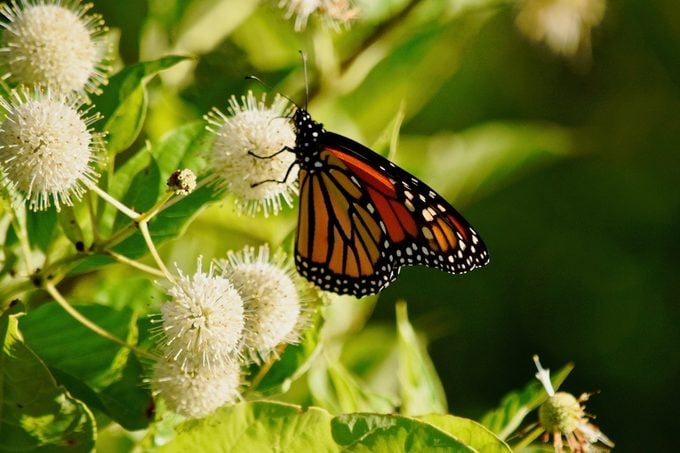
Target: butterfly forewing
{"x": 361, "y": 217}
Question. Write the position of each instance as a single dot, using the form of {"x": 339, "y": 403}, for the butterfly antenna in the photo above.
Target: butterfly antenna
{"x": 270, "y": 88}
{"x": 304, "y": 67}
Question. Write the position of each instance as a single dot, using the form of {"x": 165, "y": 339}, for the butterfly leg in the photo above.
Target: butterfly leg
{"x": 282, "y": 150}
{"x": 285, "y": 178}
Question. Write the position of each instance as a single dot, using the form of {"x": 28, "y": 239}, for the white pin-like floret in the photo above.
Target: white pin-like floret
{"x": 334, "y": 13}
{"x": 251, "y": 154}
{"x": 277, "y": 311}
{"x": 202, "y": 323}
{"x": 564, "y": 25}
{"x": 53, "y": 44}
{"x": 47, "y": 148}
{"x": 196, "y": 392}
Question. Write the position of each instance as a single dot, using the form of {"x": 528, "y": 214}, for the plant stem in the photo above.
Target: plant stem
{"x": 93, "y": 218}
{"x": 529, "y": 438}
{"x": 22, "y": 233}
{"x": 264, "y": 369}
{"x": 115, "y": 203}
{"x": 136, "y": 264}
{"x": 54, "y": 292}
{"x": 144, "y": 229}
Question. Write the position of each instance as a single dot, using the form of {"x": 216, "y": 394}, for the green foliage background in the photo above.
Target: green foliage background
{"x": 568, "y": 169}
{"x": 580, "y": 212}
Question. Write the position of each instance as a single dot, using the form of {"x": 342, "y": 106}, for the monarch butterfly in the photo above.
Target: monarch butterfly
{"x": 361, "y": 218}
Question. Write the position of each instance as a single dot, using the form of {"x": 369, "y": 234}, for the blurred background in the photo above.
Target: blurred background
{"x": 565, "y": 159}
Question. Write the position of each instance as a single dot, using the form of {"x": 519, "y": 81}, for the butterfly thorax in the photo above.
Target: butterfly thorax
{"x": 307, "y": 135}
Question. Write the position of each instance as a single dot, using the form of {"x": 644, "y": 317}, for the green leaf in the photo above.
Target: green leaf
{"x": 36, "y": 413}
{"x": 178, "y": 149}
{"x": 168, "y": 224}
{"x": 96, "y": 370}
{"x": 505, "y": 419}
{"x": 128, "y": 400}
{"x": 336, "y": 389}
{"x": 421, "y": 390}
{"x": 468, "y": 431}
{"x": 183, "y": 148}
{"x": 258, "y": 426}
{"x": 119, "y": 185}
{"x": 142, "y": 193}
{"x": 70, "y": 226}
{"x": 391, "y": 433}
{"x": 484, "y": 157}
{"x": 65, "y": 344}
{"x": 41, "y": 226}
{"x": 123, "y": 102}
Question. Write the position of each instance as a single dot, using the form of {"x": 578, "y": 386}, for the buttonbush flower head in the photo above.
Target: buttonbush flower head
{"x": 562, "y": 415}
{"x": 203, "y": 321}
{"x": 277, "y": 311}
{"x": 53, "y": 43}
{"x": 47, "y": 148}
{"x": 196, "y": 392}
{"x": 333, "y": 12}
{"x": 182, "y": 182}
{"x": 248, "y": 154}
{"x": 564, "y": 25}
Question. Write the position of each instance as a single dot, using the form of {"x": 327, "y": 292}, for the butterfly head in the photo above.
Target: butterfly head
{"x": 307, "y": 131}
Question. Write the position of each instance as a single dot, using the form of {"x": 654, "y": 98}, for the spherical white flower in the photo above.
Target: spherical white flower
{"x": 47, "y": 148}
{"x": 333, "y": 12}
{"x": 564, "y": 25}
{"x": 196, "y": 392}
{"x": 247, "y": 155}
{"x": 53, "y": 43}
{"x": 203, "y": 321}
{"x": 276, "y": 311}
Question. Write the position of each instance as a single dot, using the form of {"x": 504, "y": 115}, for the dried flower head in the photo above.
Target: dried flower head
{"x": 333, "y": 12}
{"x": 53, "y": 43}
{"x": 202, "y": 323}
{"x": 564, "y": 25}
{"x": 249, "y": 155}
{"x": 276, "y": 309}
{"x": 47, "y": 147}
{"x": 196, "y": 392}
{"x": 562, "y": 415}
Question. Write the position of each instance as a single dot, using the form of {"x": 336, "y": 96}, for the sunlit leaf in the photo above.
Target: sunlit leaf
{"x": 258, "y": 426}
{"x": 467, "y": 431}
{"x": 336, "y": 389}
{"x": 391, "y": 433}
